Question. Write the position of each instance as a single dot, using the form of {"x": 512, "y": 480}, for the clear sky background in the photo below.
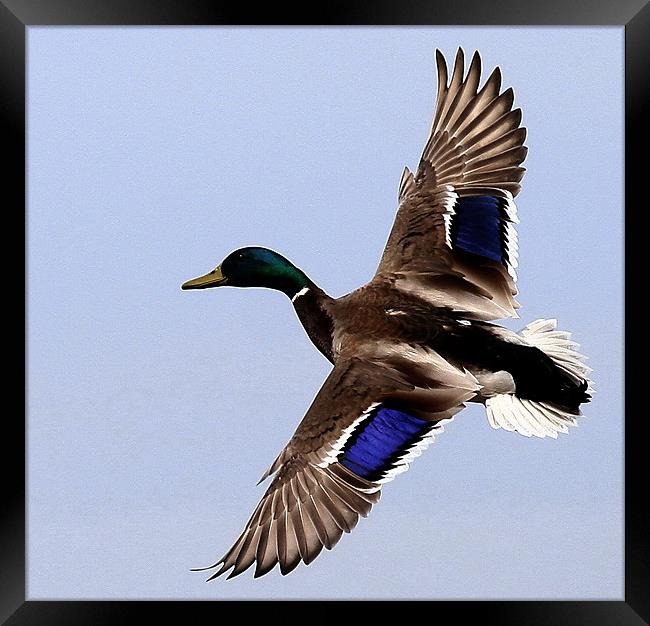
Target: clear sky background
{"x": 152, "y": 412}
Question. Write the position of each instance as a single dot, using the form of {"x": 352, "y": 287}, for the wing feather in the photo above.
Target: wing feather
{"x": 267, "y": 558}
{"x": 313, "y": 499}
{"x": 475, "y": 141}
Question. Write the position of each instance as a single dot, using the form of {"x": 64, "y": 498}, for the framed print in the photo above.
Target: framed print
{"x": 157, "y": 141}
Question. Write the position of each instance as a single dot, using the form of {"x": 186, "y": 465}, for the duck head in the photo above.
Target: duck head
{"x": 254, "y": 267}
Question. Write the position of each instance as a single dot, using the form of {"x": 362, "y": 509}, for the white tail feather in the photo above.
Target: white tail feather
{"x": 526, "y": 417}
{"x": 558, "y": 345}
{"x": 541, "y": 419}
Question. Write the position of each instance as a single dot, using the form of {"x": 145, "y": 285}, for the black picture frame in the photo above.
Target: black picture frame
{"x": 634, "y": 15}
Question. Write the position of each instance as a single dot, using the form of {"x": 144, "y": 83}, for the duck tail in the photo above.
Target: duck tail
{"x": 545, "y": 419}
{"x": 557, "y": 345}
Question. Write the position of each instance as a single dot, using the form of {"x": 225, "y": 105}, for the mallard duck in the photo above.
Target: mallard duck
{"x": 410, "y": 348}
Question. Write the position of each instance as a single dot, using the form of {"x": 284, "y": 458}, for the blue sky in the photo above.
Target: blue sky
{"x": 152, "y": 412}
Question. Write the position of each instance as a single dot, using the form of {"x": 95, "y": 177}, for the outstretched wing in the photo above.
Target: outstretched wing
{"x": 355, "y": 436}
{"x": 453, "y": 242}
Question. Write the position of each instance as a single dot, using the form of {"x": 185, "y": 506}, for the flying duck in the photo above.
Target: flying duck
{"x": 418, "y": 341}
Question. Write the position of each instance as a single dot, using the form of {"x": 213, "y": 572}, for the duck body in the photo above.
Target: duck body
{"x": 377, "y": 318}
{"x": 411, "y": 347}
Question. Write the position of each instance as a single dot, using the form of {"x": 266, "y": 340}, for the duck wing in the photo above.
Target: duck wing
{"x": 453, "y": 241}
{"x": 351, "y": 440}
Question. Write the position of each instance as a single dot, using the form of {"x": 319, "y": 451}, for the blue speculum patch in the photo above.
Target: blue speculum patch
{"x": 478, "y": 226}
{"x": 381, "y": 440}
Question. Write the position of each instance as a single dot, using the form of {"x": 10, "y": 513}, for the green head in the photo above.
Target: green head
{"x": 254, "y": 267}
